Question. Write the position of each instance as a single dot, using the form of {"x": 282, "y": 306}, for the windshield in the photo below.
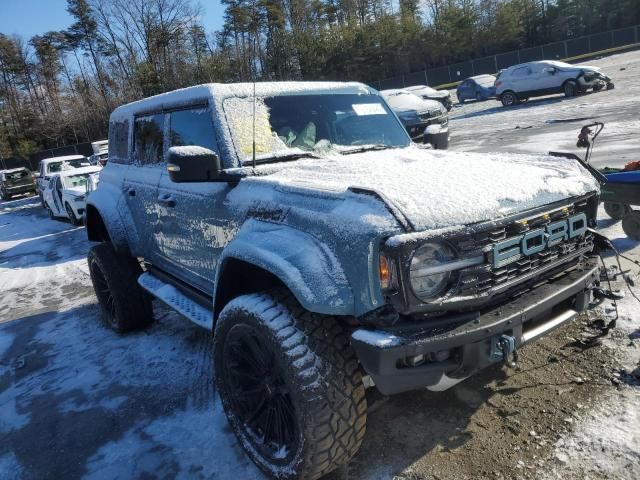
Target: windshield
{"x": 290, "y": 124}
{"x": 55, "y": 167}
{"x": 73, "y": 181}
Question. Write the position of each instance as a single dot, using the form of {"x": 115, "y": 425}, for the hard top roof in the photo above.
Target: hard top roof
{"x": 201, "y": 94}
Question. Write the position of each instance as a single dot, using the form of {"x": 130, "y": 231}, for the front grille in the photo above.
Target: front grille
{"x": 487, "y": 278}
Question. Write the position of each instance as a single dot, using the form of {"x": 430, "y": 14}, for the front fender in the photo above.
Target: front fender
{"x": 305, "y": 265}
{"x": 110, "y": 204}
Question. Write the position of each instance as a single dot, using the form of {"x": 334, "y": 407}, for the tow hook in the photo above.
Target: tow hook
{"x": 503, "y": 349}
{"x": 601, "y": 293}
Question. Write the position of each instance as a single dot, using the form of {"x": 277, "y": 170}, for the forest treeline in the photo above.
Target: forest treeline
{"x": 58, "y": 88}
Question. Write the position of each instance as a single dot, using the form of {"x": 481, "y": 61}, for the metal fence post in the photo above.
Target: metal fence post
{"x": 426, "y": 78}
{"x": 495, "y": 62}
{"x": 589, "y": 43}
{"x": 566, "y": 49}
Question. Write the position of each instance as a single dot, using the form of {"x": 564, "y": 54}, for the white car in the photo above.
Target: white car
{"x": 100, "y": 152}
{"x": 49, "y": 166}
{"x": 66, "y": 192}
{"x": 534, "y": 79}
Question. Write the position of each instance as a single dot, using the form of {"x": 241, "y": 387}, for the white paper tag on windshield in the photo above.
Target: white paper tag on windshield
{"x": 368, "y": 109}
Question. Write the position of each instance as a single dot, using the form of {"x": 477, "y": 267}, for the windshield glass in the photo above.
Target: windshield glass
{"x": 290, "y": 124}
{"x": 73, "y": 181}
{"x": 55, "y": 167}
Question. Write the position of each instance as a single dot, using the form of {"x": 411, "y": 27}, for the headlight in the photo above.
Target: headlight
{"x": 427, "y": 280}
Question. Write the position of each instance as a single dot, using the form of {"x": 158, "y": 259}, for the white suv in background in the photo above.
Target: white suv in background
{"x": 534, "y": 79}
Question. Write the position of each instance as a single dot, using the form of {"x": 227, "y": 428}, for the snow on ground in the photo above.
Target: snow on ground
{"x": 606, "y": 440}
{"x": 133, "y": 406}
{"x": 553, "y": 122}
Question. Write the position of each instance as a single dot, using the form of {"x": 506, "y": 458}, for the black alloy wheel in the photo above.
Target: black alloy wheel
{"x": 259, "y": 395}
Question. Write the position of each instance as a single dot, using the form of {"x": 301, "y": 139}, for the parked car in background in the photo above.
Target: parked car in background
{"x": 428, "y": 93}
{"x": 49, "y": 166}
{"x": 426, "y": 121}
{"x": 16, "y": 181}
{"x": 480, "y": 87}
{"x": 65, "y": 194}
{"x": 100, "y": 153}
{"x": 534, "y": 79}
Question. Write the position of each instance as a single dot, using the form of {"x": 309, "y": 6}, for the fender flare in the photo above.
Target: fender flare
{"x": 107, "y": 202}
{"x": 306, "y": 266}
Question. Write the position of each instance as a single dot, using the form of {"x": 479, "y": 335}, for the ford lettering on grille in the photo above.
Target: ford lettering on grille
{"x": 538, "y": 240}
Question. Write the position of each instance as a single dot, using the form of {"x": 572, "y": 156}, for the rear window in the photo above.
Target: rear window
{"x": 119, "y": 141}
{"x": 17, "y": 175}
{"x": 148, "y": 139}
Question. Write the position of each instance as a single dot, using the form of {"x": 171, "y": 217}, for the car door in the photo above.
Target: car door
{"x": 521, "y": 80}
{"x": 465, "y": 90}
{"x": 193, "y": 223}
{"x": 545, "y": 77}
{"x": 140, "y": 182}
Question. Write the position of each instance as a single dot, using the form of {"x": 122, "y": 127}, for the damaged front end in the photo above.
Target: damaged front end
{"x": 461, "y": 301}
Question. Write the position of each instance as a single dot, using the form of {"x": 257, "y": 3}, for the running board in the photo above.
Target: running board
{"x": 177, "y": 300}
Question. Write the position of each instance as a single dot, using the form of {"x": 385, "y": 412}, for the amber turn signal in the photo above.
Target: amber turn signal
{"x": 384, "y": 271}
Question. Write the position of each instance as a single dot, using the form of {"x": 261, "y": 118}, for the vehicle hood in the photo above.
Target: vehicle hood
{"x": 75, "y": 191}
{"x": 438, "y": 189}
{"x": 586, "y": 68}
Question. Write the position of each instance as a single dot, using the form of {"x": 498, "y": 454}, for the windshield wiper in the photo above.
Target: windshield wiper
{"x": 285, "y": 157}
{"x": 366, "y": 148}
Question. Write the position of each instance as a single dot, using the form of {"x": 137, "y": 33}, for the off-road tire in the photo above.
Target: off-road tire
{"x": 570, "y": 88}
{"x": 72, "y": 216}
{"x": 631, "y": 225}
{"x": 5, "y": 196}
{"x": 616, "y": 210}
{"x": 42, "y": 202}
{"x": 509, "y": 99}
{"x": 321, "y": 376}
{"x": 49, "y": 211}
{"x": 125, "y": 305}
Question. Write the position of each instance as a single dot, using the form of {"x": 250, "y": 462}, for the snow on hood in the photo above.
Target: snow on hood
{"x": 437, "y": 189}
{"x": 76, "y": 191}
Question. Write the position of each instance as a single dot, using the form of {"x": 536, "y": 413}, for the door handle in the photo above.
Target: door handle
{"x": 167, "y": 200}
{"x": 131, "y": 192}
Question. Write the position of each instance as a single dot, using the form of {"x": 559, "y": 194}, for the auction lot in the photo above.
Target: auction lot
{"x": 77, "y": 400}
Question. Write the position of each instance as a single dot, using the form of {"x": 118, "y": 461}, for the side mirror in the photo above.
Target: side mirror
{"x": 193, "y": 164}
{"x": 550, "y": 70}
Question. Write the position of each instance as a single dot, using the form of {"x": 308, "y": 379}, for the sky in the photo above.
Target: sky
{"x": 30, "y": 17}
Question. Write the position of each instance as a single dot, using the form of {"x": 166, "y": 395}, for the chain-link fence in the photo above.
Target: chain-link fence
{"x": 566, "y": 49}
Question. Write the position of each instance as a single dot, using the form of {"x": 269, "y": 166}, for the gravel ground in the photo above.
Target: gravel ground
{"x": 79, "y": 401}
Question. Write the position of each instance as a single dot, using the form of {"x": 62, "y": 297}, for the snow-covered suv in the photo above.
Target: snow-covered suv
{"x": 534, "y": 79}
{"x": 328, "y": 254}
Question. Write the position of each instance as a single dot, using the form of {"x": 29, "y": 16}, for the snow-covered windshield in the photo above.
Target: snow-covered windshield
{"x": 403, "y": 100}
{"x": 291, "y": 124}
{"x": 485, "y": 80}
{"x": 55, "y": 167}
{"x": 74, "y": 181}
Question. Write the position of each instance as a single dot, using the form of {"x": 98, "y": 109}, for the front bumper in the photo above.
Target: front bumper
{"x": 464, "y": 344}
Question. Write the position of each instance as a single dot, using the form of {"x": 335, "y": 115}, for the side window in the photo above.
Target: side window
{"x": 148, "y": 139}
{"x": 192, "y": 127}
{"x": 119, "y": 142}
{"x": 521, "y": 72}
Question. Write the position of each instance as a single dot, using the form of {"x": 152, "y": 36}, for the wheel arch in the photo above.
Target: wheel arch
{"x": 308, "y": 269}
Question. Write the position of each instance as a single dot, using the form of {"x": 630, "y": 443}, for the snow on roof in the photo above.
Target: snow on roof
{"x": 202, "y": 93}
{"x": 62, "y": 159}
{"x": 400, "y": 99}
{"x": 438, "y": 189}
{"x": 77, "y": 171}
{"x": 11, "y": 170}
